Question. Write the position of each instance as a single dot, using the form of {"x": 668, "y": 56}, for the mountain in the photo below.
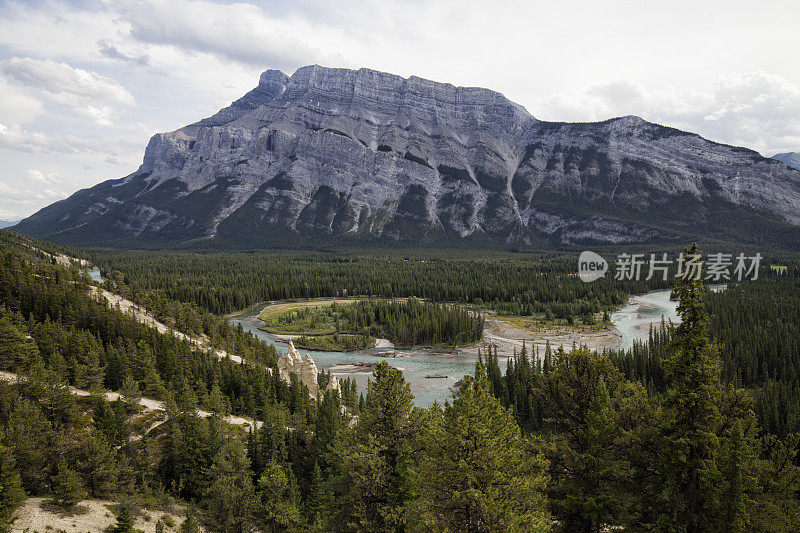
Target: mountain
{"x": 350, "y": 157}
{"x": 790, "y": 158}
{"x": 7, "y": 223}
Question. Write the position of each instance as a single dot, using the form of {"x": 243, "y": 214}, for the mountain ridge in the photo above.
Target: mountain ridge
{"x": 791, "y": 159}
{"x": 345, "y": 157}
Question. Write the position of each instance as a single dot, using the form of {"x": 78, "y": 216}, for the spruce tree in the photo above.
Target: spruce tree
{"x": 598, "y": 502}
{"x": 125, "y": 519}
{"x": 579, "y": 417}
{"x": 692, "y": 414}
{"x": 368, "y": 462}
{"x": 278, "y": 508}
{"x": 190, "y": 524}
{"x": 319, "y": 500}
{"x": 131, "y": 394}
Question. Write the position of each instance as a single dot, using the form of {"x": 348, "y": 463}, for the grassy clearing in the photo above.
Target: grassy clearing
{"x": 541, "y": 324}
{"x": 278, "y": 309}
{"x": 316, "y": 318}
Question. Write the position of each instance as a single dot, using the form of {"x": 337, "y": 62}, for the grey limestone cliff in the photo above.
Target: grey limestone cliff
{"x": 336, "y": 156}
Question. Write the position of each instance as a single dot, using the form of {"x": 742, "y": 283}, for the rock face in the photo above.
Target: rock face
{"x": 306, "y": 371}
{"x": 790, "y": 158}
{"x": 336, "y": 156}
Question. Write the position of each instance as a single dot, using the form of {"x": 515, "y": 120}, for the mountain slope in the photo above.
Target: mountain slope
{"x": 790, "y": 158}
{"x": 336, "y": 156}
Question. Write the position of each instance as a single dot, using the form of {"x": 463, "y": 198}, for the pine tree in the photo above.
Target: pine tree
{"x": 131, "y": 394}
{"x": 105, "y": 420}
{"x": 278, "y": 508}
{"x": 597, "y": 501}
{"x": 478, "y": 473}
{"x": 190, "y": 524}
{"x": 329, "y": 421}
{"x": 319, "y": 500}
{"x": 98, "y": 464}
{"x": 11, "y": 492}
{"x": 67, "y": 487}
{"x": 231, "y": 498}
{"x": 368, "y": 477}
{"x": 736, "y": 481}
{"x": 386, "y": 419}
{"x": 17, "y": 348}
{"x": 578, "y": 412}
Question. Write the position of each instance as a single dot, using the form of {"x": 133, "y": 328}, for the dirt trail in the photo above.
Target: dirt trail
{"x": 148, "y": 404}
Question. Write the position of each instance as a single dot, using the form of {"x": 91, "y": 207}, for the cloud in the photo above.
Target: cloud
{"x": 17, "y": 106}
{"x": 240, "y": 32}
{"x": 36, "y": 185}
{"x": 14, "y": 137}
{"x": 88, "y": 93}
{"x": 755, "y": 109}
{"x": 66, "y": 84}
{"x": 112, "y": 52}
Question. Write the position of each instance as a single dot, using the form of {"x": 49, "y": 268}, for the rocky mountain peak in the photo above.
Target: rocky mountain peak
{"x": 273, "y": 80}
{"x": 337, "y": 156}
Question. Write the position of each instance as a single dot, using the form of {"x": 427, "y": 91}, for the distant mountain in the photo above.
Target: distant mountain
{"x": 8, "y": 223}
{"x": 790, "y": 158}
{"x": 332, "y": 157}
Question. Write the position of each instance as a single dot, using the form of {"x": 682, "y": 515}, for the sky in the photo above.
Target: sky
{"x": 85, "y": 83}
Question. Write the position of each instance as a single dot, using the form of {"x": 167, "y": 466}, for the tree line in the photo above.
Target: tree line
{"x": 413, "y": 322}
{"x": 518, "y": 284}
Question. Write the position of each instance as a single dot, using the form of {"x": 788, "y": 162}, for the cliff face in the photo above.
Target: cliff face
{"x": 336, "y": 156}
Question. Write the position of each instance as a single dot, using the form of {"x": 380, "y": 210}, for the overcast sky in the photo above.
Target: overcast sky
{"x": 84, "y": 84}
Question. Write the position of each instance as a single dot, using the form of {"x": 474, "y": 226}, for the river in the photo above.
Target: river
{"x": 632, "y": 322}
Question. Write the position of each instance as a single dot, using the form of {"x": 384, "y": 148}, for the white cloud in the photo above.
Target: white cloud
{"x": 36, "y": 185}
{"x": 16, "y": 105}
{"x": 239, "y": 32}
{"x": 88, "y": 93}
{"x": 111, "y": 51}
{"x": 754, "y": 109}
{"x": 14, "y": 137}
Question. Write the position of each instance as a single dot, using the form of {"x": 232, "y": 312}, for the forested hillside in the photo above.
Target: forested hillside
{"x": 664, "y": 439}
